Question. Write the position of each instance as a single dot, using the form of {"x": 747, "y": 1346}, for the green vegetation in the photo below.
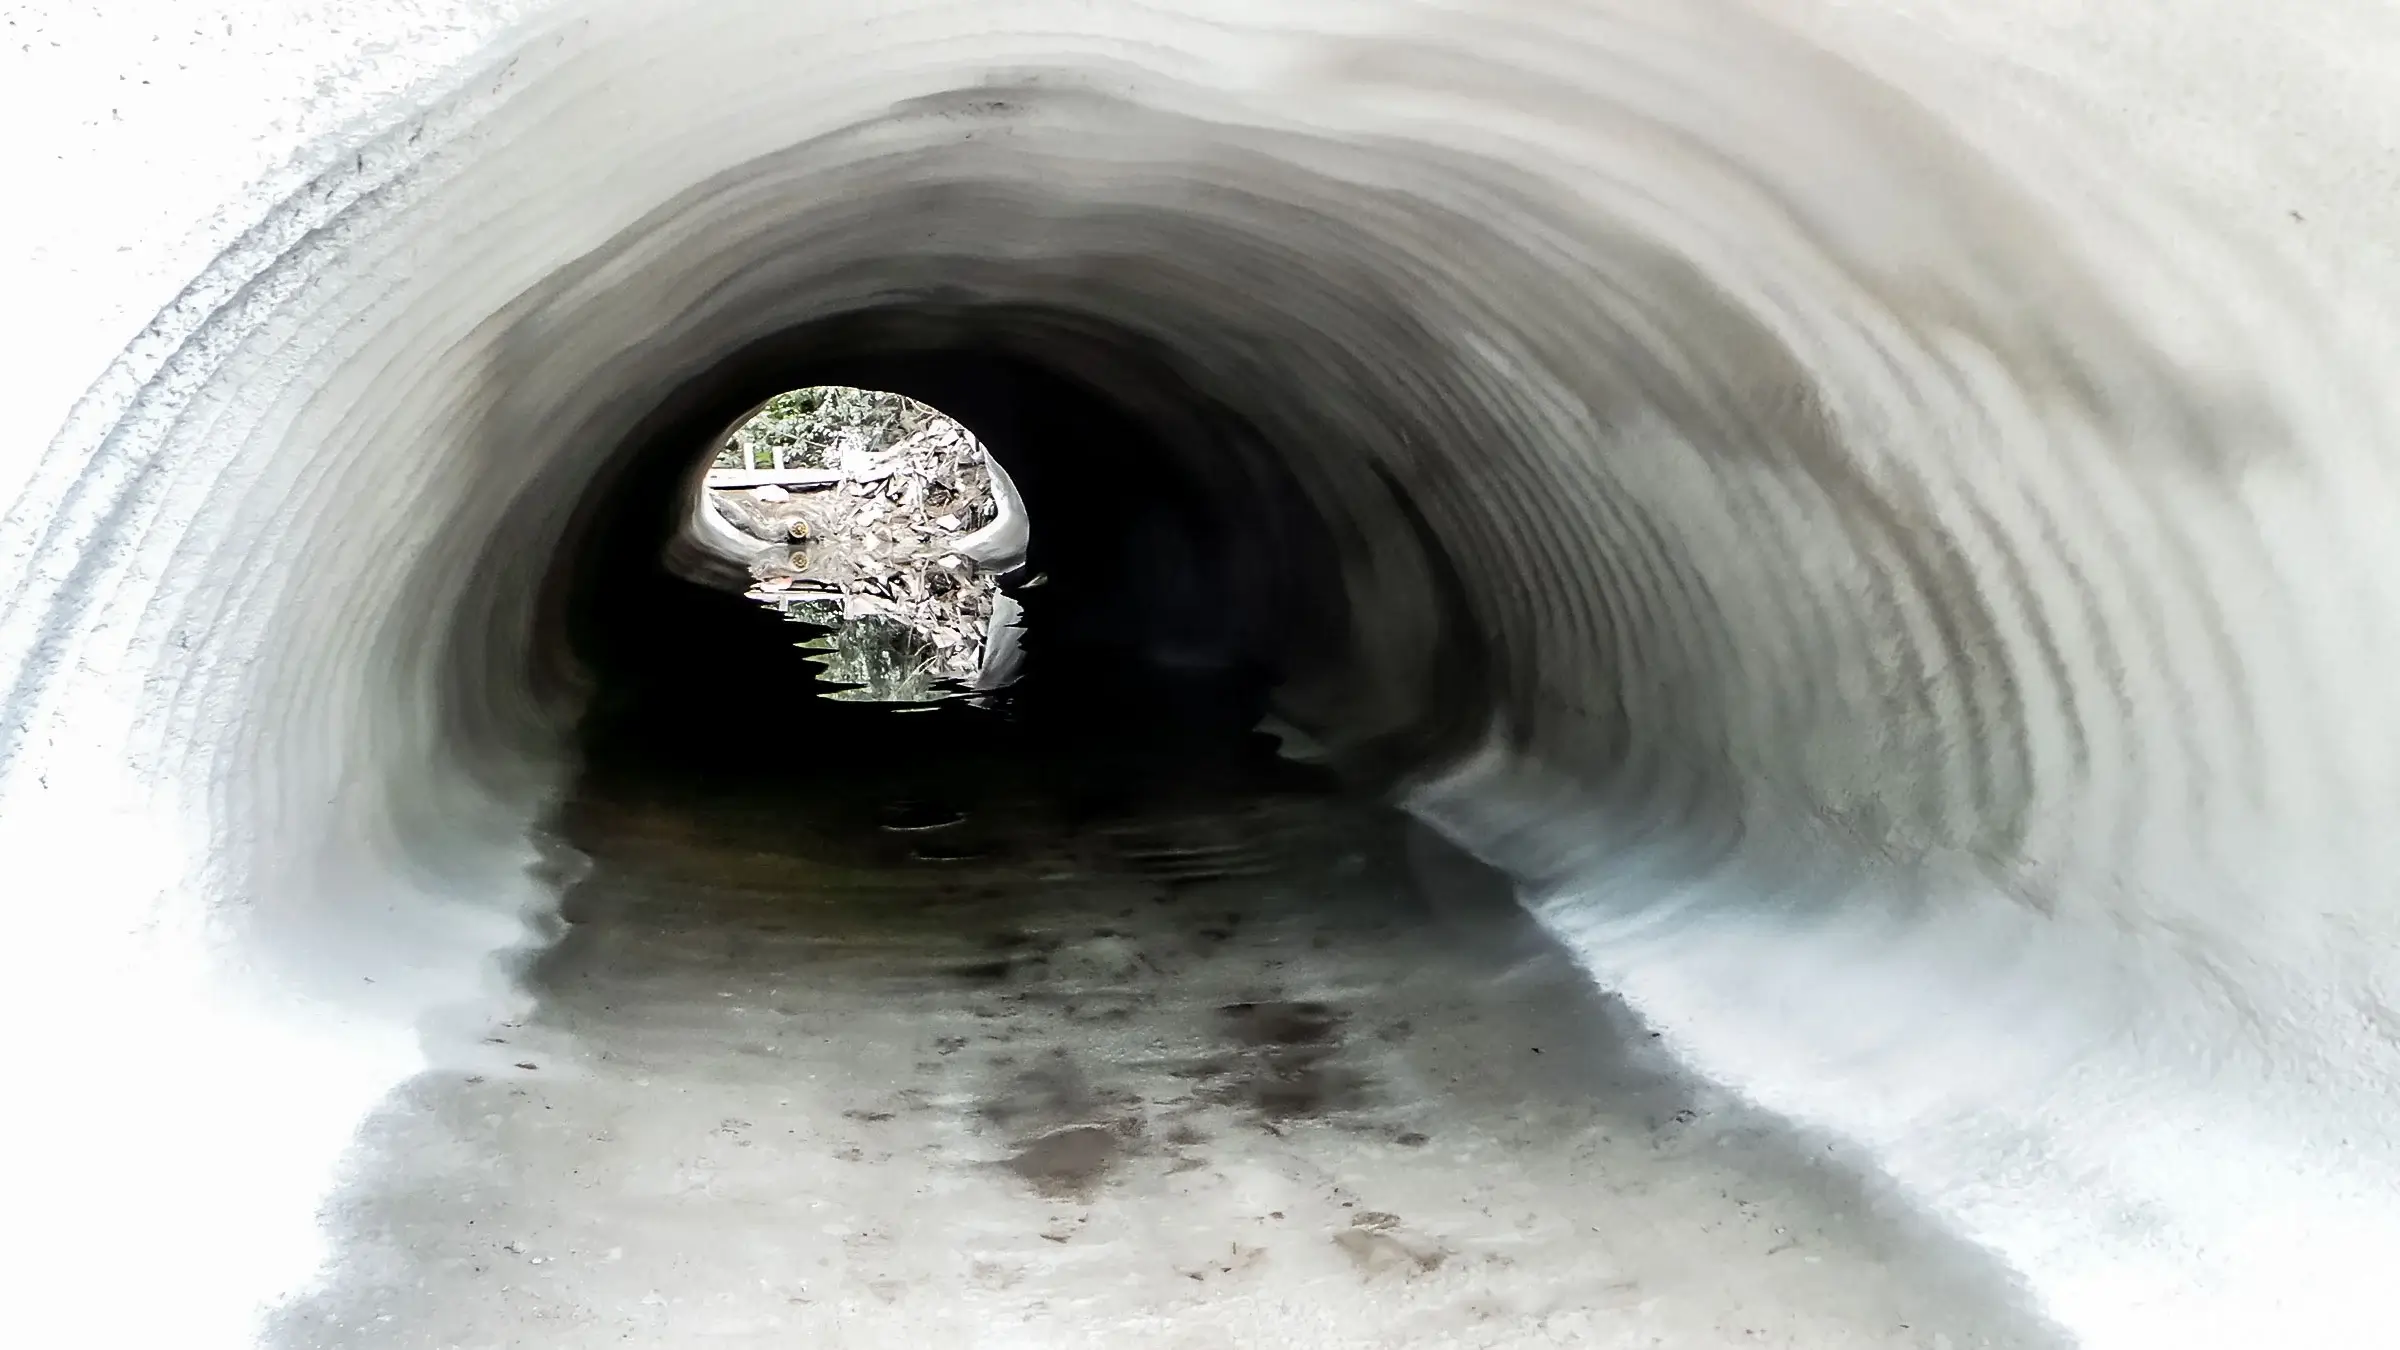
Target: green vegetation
{"x": 810, "y": 428}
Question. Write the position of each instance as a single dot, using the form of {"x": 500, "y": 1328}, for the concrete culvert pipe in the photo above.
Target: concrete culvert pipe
{"x": 1874, "y": 517}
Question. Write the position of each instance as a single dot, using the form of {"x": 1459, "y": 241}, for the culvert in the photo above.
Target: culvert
{"x": 1874, "y": 521}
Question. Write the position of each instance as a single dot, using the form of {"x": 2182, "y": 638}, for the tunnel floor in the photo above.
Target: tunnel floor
{"x": 1187, "y": 1053}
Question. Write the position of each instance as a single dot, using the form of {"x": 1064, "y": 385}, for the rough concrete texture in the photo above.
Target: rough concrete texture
{"x": 1224, "y": 1065}
{"x": 1877, "y": 515}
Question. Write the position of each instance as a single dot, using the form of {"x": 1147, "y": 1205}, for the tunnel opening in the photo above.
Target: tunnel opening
{"x": 881, "y": 525}
{"x": 1179, "y": 577}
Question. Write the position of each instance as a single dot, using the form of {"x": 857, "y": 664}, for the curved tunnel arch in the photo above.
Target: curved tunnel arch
{"x": 1827, "y": 565}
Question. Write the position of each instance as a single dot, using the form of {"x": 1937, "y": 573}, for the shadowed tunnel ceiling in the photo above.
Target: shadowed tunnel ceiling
{"x": 1902, "y": 586}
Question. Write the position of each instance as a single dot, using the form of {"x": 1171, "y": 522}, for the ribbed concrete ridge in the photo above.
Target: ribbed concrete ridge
{"x": 1893, "y": 551}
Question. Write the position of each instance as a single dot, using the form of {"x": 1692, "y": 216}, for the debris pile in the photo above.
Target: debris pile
{"x": 869, "y": 548}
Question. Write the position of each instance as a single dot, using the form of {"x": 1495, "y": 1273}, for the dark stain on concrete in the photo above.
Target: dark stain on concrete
{"x": 1280, "y": 1024}
{"x": 1285, "y": 1063}
{"x": 1072, "y": 1161}
{"x": 1068, "y": 1135}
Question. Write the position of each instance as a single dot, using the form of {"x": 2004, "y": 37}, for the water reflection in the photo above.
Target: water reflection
{"x": 873, "y": 659}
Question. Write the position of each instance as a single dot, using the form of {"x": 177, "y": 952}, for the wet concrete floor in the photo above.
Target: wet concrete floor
{"x": 971, "y": 1047}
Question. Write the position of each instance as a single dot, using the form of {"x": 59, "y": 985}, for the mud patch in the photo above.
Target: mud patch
{"x": 1068, "y": 1136}
{"x": 1284, "y": 1064}
{"x": 1069, "y": 1163}
{"x": 1281, "y": 1024}
{"x": 1292, "y": 1084}
{"x": 1050, "y": 1094}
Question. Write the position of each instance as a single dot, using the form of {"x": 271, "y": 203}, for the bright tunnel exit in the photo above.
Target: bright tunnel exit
{"x": 884, "y": 523}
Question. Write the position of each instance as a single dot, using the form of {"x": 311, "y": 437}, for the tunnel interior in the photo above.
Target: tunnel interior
{"x": 1103, "y": 939}
{"x": 1110, "y": 940}
{"x": 1064, "y": 955}
{"x": 1839, "y": 630}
